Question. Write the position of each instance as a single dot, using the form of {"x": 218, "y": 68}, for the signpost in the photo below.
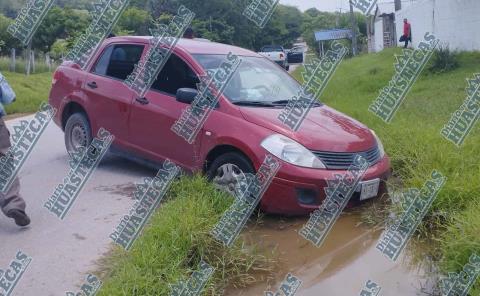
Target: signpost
{"x": 334, "y": 34}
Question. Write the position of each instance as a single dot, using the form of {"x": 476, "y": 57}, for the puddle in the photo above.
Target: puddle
{"x": 341, "y": 266}
{"x": 121, "y": 189}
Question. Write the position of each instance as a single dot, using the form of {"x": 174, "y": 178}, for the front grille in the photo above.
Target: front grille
{"x": 342, "y": 160}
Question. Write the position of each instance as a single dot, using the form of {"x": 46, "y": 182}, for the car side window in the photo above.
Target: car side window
{"x": 102, "y": 63}
{"x": 118, "y": 61}
{"x": 174, "y": 75}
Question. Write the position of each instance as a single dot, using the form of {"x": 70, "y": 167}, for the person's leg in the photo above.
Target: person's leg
{"x": 406, "y": 42}
{"x": 11, "y": 203}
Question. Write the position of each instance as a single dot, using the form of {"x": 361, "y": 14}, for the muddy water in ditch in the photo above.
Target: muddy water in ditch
{"x": 341, "y": 266}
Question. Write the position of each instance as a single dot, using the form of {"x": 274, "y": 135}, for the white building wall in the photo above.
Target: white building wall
{"x": 378, "y": 37}
{"x": 388, "y": 7}
{"x": 454, "y": 22}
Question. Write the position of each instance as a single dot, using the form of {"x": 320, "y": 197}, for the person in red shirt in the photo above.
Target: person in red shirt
{"x": 407, "y": 32}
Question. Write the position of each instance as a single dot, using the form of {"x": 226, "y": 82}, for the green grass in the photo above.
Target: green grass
{"x": 176, "y": 239}
{"x": 31, "y": 91}
{"x": 414, "y": 143}
{"x": 462, "y": 239}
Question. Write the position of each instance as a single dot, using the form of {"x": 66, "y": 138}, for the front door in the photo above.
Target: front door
{"x": 153, "y": 116}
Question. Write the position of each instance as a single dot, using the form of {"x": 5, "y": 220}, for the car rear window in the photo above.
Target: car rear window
{"x": 272, "y": 49}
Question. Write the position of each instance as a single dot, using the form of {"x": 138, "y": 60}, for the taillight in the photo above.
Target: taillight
{"x": 281, "y": 55}
{"x": 55, "y": 77}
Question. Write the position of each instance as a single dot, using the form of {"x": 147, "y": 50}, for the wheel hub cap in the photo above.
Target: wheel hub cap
{"x": 79, "y": 137}
{"x": 228, "y": 178}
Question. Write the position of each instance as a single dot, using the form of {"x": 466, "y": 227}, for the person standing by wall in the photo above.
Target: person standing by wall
{"x": 407, "y": 33}
{"x": 12, "y": 204}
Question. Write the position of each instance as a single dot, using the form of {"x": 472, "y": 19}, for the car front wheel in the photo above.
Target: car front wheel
{"x": 228, "y": 171}
{"x": 77, "y": 133}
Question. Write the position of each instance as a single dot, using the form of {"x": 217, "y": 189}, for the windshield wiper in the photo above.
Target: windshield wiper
{"x": 285, "y": 102}
{"x": 280, "y": 102}
{"x": 253, "y": 103}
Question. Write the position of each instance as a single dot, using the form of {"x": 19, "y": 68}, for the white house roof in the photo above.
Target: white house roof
{"x": 386, "y": 7}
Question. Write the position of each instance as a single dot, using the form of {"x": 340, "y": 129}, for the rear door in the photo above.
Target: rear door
{"x": 109, "y": 98}
{"x": 151, "y": 120}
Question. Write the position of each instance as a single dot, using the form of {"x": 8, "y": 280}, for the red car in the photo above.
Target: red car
{"x": 239, "y": 133}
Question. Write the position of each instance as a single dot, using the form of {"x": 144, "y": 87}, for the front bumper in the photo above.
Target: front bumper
{"x": 299, "y": 191}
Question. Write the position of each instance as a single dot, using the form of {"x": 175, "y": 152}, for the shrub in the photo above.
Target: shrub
{"x": 444, "y": 60}
{"x": 58, "y": 49}
{"x": 373, "y": 71}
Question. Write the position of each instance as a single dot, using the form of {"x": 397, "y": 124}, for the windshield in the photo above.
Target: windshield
{"x": 272, "y": 49}
{"x": 256, "y": 80}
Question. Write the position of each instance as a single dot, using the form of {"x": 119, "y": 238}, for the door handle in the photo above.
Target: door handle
{"x": 143, "y": 101}
{"x": 92, "y": 84}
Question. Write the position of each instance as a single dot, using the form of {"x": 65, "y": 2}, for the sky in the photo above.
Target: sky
{"x": 322, "y": 5}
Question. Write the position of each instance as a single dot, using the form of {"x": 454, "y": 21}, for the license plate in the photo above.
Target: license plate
{"x": 369, "y": 189}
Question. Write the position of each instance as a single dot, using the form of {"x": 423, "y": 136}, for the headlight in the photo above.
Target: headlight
{"x": 379, "y": 144}
{"x": 292, "y": 152}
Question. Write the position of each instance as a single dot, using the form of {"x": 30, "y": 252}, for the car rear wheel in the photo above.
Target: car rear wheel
{"x": 77, "y": 133}
{"x": 228, "y": 171}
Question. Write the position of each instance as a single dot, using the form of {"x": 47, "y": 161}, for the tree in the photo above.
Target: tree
{"x": 220, "y": 20}
{"x": 135, "y": 20}
{"x": 10, "y": 8}
{"x": 314, "y": 20}
{"x": 6, "y": 39}
{"x": 60, "y": 24}
{"x": 215, "y": 30}
{"x": 59, "y": 49}
{"x": 292, "y": 17}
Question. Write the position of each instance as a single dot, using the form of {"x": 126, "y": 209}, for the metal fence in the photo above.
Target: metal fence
{"x": 29, "y": 62}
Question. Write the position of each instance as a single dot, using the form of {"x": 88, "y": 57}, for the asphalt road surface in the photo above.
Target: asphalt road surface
{"x": 65, "y": 251}
{"x": 293, "y": 67}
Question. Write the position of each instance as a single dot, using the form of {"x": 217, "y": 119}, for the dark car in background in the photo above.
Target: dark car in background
{"x": 296, "y": 55}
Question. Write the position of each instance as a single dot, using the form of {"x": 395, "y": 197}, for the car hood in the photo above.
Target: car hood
{"x": 324, "y": 129}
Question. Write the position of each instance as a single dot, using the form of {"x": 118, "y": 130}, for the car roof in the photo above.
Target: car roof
{"x": 272, "y": 45}
{"x": 192, "y": 46}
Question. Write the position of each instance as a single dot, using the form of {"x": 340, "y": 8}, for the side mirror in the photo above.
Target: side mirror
{"x": 186, "y": 95}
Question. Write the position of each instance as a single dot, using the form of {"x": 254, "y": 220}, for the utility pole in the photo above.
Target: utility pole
{"x": 337, "y": 19}
{"x": 354, "y": 29}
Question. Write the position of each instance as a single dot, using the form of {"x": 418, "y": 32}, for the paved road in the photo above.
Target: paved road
{"x": 64, "y": 251}
{"x": 293, "y": 67}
